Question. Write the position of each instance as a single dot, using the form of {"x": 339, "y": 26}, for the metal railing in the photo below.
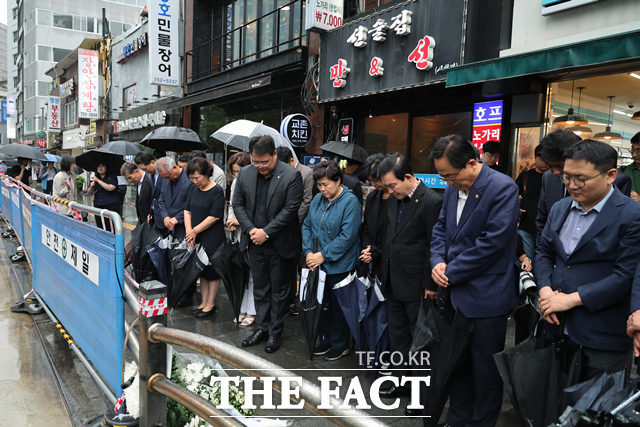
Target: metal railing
{"x": 234, "y": 47}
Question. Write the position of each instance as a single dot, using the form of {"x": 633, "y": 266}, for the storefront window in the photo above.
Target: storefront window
{"x": 427, "y": 130}
{"x": 386, "y": 134}
{"x": 527, "y": 139}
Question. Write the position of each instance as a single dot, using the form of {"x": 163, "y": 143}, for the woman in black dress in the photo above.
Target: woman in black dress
{"x": 203, "y": 223}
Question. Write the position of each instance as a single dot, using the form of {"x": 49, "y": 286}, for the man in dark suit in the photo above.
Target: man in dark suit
{"x": 285, "y": 155}
{"x": 266, "y": 200}
{"x": 406, "y": 272}
{"x": 587, "y": 258}
{"x": 173, "y": 197}
{"x": 553, "y": 189}
{"x": 473, "y": 254}
{"x": 144, "y": 189}
{"x": 147, "y": 163}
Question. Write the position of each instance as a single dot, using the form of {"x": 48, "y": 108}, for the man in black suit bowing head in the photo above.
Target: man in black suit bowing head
{"x": 266, "y": 200}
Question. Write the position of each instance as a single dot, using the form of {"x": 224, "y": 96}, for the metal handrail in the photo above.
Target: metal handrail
{"x": 158, "y": 383}
{"x": 238, "y": 358}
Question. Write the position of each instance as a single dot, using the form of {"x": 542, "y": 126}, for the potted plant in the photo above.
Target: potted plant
{"x": 80, "y": 183}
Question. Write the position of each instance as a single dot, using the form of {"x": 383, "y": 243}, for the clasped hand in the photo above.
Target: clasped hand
{"x": 258, "y": 236}
{"x": 190, "y": 237}
{"x": 170, "y": 223}
{"x": 314, "y": 260}
{"x": 366, "y": 255}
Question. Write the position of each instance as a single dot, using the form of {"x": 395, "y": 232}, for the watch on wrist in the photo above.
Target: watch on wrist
{"x": 266, "y": 235}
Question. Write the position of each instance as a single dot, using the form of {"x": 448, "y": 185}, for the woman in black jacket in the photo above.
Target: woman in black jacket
{"x": 374, "y": 227}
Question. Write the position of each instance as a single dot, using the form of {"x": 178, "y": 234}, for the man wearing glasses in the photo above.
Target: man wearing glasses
{"x": 473, "y": 255}
{"x": 266, "y": 200}
{"x": 633, "y": 170}
{"x": 491, "y": 155}
{"x": 586, "y": 261}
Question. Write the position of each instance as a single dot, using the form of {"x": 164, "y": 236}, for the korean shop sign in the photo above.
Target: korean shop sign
{"x": 88, "y": 84}
{"x": 322, "y": 15}
{"x": 487, "y": 122}
{"x": 164, "y": 60}
{"x": 297, "y": 129}
{"x": 53, "y": 113}
{"x": 403, "y": 46}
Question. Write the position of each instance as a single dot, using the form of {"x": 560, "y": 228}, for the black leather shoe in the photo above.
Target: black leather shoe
{"x": 412, "y": 412}
{"x": 186, "y": 301}
{"x": 255, "y": 338}
{"x": 273, "y": 344}
{"x": 196, "y": 311}
{"x": 393, "y": 392}
{"x": 203, "y": 313}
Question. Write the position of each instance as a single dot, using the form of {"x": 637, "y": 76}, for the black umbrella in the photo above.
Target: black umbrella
{"x": 526, "y": 315}
{"x": 351, "y": 294}
{"x": 142, "y": 236}
{"x": 310, "y": 309}
{"x": 447, "y": 354}
{"x": 91, "y": 159}
{"x": 229, "y": 262}
{"x": 187, "y": 262}
{"x": 348, "y": 150}
{"x": 375, "y": 323}
{"x": 173, "y": 138}
{"x": 160, "y": 254}
{"x": 124, "y": 148}
{"x": 21, "y": 150}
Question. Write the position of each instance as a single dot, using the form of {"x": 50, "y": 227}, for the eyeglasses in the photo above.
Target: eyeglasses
{"x": 491, "y": 156}
{"x": 448, "y": 178}
{"x": 634, "y": 150}
{"x": 577, "y": 181}
{"x": 263, "y": 164}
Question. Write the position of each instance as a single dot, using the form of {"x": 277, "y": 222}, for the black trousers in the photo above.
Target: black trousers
{"x": 402, "y": 324}
{"x": 476, "y": 393}
{"x": 116, "y": 207}
{"x": 272, "y": 275}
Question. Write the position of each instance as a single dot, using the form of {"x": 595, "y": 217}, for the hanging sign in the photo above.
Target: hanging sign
{"x": 487, "y": 122}
{"x": 296, "y": 128}
{"x": 88, "y": 84}
{"x": 41, "y": 143}
{"x": 66, "y": 89}
{"x": 345, "y": 130}
{"x": 53, "y": 113}
{"x": 322, "y": 15}
{"x": 164, "y": 60}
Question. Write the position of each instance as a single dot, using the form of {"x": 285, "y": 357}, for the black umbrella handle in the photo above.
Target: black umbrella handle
{"x": 315, "y": 244}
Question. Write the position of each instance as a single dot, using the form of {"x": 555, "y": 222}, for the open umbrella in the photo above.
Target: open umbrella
{"x": 311, "y": 306}
{"x": 347, "y": 150}
{"x": 187, "y": 262}
{"x": 174, "y": 138}
{"x": 21, "y": 150}
{"x": 142, "y": 236}
{"x": 447, "y": 353}
{"x": 91, "y": 159}
{"x": 351, "y": 294}
{"x": 124, "y": 148}
{"x": 229, "y": 262}
{"x": 53, "y": 157}
{"x": 238, "y": 134}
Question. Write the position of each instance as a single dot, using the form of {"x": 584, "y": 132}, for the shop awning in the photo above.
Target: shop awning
{"x": 600, "y": 51}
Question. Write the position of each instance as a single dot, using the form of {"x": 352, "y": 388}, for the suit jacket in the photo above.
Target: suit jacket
{"x": 553, "y": 190}
{"x": 374, "y": 228}
{"x": 144, "y": 200}
{"x": 173, "y": 206}
{"x": 600, "y": 269}
{"x": 406, "y": 248}
{"x": 284, "y": 196}
{"x": 308, "y": 183}
{"x": 480, "y": 250}
{"x": 156, "y": 191}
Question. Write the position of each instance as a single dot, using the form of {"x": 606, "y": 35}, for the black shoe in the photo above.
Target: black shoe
{"x": 255, "y": 338}
{"x": 412, "y": 412}
{"x": 196, "y": 311}
{"x": 393, "y": 392}
{"x": 335, "y": 354}
{"x": 206, "y": 313}
{"x": 321, "y": 349}
{"x": 185, "y": 301}
{"x": 273, "y": 344}
{"x": 293, "y": 310}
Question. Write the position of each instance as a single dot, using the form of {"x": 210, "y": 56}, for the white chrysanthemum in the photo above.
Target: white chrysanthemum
{"x": 132, "y": 393}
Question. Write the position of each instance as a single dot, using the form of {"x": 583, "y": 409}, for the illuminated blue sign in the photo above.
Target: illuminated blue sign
{"x": 487, "y": 113}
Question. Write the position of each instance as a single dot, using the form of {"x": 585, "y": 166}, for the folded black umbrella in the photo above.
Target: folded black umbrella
{"x": 174, "y": 138}
{"x": 187, "y": 262}
{"x": 526, "y": 316}
{"x": 375, "y": 324}
{"x": 141, "y": 237}
{"x": 160, "y": 254}
{"x": 447, "y": 356}
{"x": 351, "y": 294}
{"x": 91, "y": 159}
{"x": 229, "y": 262}
{"x": 311, "y": 310}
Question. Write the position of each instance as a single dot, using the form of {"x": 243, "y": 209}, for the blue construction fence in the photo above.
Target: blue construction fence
{"x": 78, "y": 270}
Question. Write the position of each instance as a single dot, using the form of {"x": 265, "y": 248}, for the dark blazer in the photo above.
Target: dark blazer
{"x": 284, "y": 197}
{"x": 173, "y": 207}
{"x": 601, "y": 269}
{"x": 553, "y": 190}
{"x": 144, "y": 200}
{"x": 157, "y": 189}
{"x": 405, "y": 252}
{"x": 480, "y": 250}
{"x": 374, "y": 228}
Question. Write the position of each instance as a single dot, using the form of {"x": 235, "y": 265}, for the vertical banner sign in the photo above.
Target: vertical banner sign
{"x": 164, "y": 60}
{"x": 3, "y": 111}
{"x": 11, "y": 127}
{"x": 54, "y": 113}
{"x": 88, "y": 84}
{"x": 11, "y": 105}
{"x": 322, "y": 15}
{"x": 487, "y": 122}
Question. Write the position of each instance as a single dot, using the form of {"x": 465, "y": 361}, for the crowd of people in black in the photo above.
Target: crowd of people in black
{"x": 568, "y": 219}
